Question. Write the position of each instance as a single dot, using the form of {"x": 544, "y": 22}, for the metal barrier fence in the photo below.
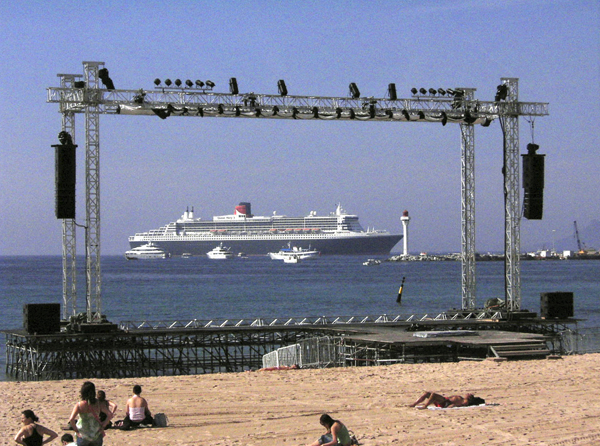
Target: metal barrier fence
{"x": 321, "y": 352}
{"x": 584, "y": 340}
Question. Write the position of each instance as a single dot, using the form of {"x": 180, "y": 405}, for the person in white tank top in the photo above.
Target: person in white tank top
{"x": 137, "y": 411}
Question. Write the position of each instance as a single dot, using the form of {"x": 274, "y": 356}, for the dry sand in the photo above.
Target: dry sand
{"x": 543, "y": 402}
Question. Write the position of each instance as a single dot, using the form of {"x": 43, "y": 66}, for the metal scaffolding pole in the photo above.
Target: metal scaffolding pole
{"x": 69, "y": 244}
{"x": 509, "y": 120}
{"x": 92, "y": 191}
{"x": 468, "y": 211}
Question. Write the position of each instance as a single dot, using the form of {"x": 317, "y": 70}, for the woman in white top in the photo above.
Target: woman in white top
{"x": 137, "y": 411}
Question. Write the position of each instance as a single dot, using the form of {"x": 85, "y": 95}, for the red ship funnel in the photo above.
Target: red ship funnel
{"x": 244, "y": 208}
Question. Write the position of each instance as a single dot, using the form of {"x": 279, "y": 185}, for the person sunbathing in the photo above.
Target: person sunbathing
{"x": 443, "y": 402}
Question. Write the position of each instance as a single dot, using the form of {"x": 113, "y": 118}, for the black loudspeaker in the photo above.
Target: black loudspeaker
{"x": 65, "y": 169}
{"x": 41, "y": 318}
{"x": 558, "y": 305}
{"x": 533, "y": 183}
{"x": 533, "y": 205}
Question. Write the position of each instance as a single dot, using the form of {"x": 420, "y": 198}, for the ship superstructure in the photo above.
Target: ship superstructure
{"x": 336, "y": 233}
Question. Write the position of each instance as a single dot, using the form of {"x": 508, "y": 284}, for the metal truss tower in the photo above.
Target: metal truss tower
{"x": 92, "y": 191}
{"x": 468, "y": 211}
{"x": 509, "y": 120}
{"x": 198, "y": 100}
{"x": 69, "y": 244}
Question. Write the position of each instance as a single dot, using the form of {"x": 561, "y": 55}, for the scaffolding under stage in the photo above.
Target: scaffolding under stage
{"x": 165, "y": 351}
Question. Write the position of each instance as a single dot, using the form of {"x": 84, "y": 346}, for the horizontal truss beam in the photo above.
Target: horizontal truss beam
{"x": 203, "y": 104}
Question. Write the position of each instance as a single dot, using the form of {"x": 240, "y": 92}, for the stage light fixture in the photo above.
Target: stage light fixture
{"x": 233, "y": 86}
{"x": 106, "y": 80}
{"x": 441, "y": 91}
{"x": 414, "y": 91}
{"x": 168, "y": 82}
{"x": 422, "y": 91}
{"x": 189, "y": 83}
{"x": 392, "y": 92}
{"x": 79, "y": 84}
{"x": 354, "y": 91}
{"x": 210, "y": 84}
{"x": 281, "y": 87}
{"x": 501, "y": 92}
{"x": 157, "y": 82}
{"x": 178, "y": 82}
{"x": 199, "y": 83}
{"x": 432, "y": 91}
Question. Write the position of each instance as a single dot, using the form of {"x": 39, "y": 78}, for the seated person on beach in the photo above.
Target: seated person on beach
{"x": 67, "y": 440}
{"x": 108, "y": 405}
{"x": 137, "y": 411}
{"x": 446, "y": 402}
{"x": 337, "y": 434}
{"x": 32, "y": 434}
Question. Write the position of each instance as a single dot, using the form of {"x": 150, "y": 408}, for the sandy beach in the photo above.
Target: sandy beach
{"x": 543, "y": 402}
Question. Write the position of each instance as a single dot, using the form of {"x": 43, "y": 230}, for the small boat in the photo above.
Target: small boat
{"x": 186, "y": 255}
{"x": 242, "y": 255}
{"x": 219, "y": 253}
{"x": 371, "y": 262}
{"x": 147, "y": 251}
{"x": 294, "y": 251}
{"x": 291, "y": 259}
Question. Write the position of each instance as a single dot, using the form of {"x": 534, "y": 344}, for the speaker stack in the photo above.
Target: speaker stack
{"x": 556, "y": 305}
{"x": 65, "y": 180}
{"x": 533, "y": 183}
{"x": 41, "y": 318}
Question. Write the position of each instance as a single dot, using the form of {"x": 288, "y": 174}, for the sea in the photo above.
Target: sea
{"x": 184, "y": 289}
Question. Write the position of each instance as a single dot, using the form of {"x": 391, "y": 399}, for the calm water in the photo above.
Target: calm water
{"x": 199, "y": 288}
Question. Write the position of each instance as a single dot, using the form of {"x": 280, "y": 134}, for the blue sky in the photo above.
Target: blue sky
{"x": 151, "y": 169}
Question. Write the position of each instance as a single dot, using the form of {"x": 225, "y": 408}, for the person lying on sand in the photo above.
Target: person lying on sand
{"x": 446, "y": 402}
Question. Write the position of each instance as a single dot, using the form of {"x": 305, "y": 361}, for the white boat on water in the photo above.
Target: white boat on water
{"x": 147, "y": 251}
{"x": 291, "y": 259}
{"x": 219, "y": 253}
{"x": 294, "y": 252}
{"x": 371, "y": 262}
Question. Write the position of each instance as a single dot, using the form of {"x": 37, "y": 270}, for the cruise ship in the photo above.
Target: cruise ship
{"x": 336, "y": 233}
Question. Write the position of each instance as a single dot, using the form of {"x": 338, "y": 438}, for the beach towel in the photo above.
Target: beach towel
{"x": 462, "y": 407}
